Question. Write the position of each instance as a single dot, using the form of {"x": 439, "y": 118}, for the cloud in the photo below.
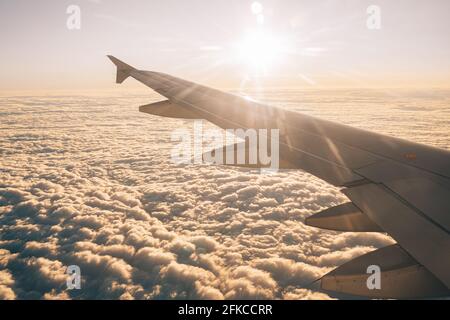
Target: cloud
{"x": 289, "y": 272}
{"x": 147, "y": 258}
{"x": 250, "y": 283}
{"x": 6, "y": 284}
{"x": 304, "y": 294}
{"x": 88, "y": 181}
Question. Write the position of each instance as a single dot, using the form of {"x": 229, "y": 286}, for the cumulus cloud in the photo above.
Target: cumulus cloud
{"x": 88, "y": 181}
{"x": 6, "y": 284}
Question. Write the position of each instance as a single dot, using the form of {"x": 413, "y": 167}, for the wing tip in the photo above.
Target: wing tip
{"x": 114, "y": 60}
{"x": 123, "y": 69}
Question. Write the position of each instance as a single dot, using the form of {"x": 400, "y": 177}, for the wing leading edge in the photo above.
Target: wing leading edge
{"x": 395, "y": 186}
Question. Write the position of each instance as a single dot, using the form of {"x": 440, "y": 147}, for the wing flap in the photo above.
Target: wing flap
{"x": 244, "y": 155}
{"x": 401, "y": 277}
{"x": 168, "y": 109}
{"x": 288, "y": 159}
{"x": 345, "y": 217}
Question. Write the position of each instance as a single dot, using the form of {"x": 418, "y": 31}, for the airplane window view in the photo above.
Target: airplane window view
{"x": 240, "y": 154}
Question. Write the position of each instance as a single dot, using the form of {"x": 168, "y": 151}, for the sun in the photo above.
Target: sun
{"x": 259, "y": 50}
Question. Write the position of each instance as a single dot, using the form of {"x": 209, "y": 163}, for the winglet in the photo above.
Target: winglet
{"x": 123, "y": 69}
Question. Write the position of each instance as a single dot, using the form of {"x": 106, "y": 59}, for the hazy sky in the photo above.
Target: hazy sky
{"x": 226, "y": 43}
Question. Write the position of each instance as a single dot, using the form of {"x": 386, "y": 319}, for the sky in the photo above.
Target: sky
{"x": 226, "y": 43}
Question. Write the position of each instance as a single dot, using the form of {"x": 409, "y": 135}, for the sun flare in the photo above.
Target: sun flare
{"x": 259, "y": 50}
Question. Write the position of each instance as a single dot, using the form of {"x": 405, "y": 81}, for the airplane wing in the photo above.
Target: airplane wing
{"x": 393, "y": 185}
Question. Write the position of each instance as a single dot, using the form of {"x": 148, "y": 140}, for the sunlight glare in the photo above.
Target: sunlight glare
{"x": 259, "y": 50}
{"x": 257, "y": 7}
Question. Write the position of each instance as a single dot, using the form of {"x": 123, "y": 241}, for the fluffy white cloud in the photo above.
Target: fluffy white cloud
{"x": 88, "y": 181}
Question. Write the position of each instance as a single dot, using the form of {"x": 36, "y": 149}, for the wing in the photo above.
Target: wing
{"x": 394, "y": 186}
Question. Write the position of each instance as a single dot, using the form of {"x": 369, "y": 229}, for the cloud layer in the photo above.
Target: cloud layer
{"x": 88, "y": 181}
